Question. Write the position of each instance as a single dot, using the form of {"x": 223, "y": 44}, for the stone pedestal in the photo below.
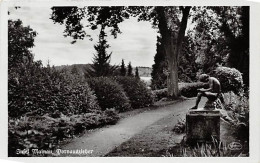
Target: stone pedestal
{"x": 202, "y": 125}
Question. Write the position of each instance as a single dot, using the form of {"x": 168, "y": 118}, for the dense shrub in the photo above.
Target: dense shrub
{"x": 191, "y": 89}
{"x": 186, "y": 89}
{"x": 160, "y": 93}
{"x": 238, "y": 114}
{"x": 110, "y": 116}
{"x": 45, "y": 132}
{"x": 136, "y": 90}
{"x": 109, "y": 94}
{"x": 230, "y": 79}
{"x": 180, "y": 127}
{"x": 44, "y": 90}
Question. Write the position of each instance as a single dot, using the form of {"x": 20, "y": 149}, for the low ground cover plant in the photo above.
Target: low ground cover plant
{"x": 46, "y": 132}
{"x": 214, "y": 149}
{"x": 237, "y": 107}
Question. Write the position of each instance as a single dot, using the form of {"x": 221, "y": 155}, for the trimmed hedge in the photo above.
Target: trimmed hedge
{"x": 109, "y": 94}
{"x": 136, "y": 90}
{"x": 230, "y": 79}
{"x": 160, "y": 93}
{"x": 186, "y": 89}
{"x": 191, "y": 89}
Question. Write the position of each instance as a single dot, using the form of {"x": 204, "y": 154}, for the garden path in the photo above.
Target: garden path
{"x": 105, "y": 139}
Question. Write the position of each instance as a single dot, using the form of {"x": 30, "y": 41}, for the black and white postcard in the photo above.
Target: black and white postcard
{"x": 161, "y": 80}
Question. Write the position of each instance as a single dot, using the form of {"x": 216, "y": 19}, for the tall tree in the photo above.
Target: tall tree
{"x": 123, "y": 69}
{"x": 20, "y": 41}
{"x": 137, "y": 73}
{"x": 20, "y": 57}
{"x": 204, "y": 43}
{"x": 159, "y": 68}
{"x": 101, "y": 61}
{"x": 187, "y": 69}
{"x": 129, "y": 70}
{"x": 172, "y": 31}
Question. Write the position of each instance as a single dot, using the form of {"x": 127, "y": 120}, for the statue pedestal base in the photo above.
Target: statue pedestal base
{"x": 202, "y": 125}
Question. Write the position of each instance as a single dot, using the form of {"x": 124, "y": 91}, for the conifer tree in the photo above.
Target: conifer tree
{"x": 137, "y": 73}
{"x": 159, "y": 77}
{"x": 101, "y": 60}
{"x": 130, "y": 70}
{"x": 123, "y": 69}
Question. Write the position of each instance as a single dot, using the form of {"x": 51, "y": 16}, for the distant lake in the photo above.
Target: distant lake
{"x": 147, "y": 80}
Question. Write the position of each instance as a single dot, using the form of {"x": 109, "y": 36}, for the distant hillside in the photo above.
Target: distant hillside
{"x": 143, "y": 71}
{"x": 80, "y": 67}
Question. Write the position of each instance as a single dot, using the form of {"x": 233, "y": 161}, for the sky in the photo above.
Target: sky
{"x": 136, "y": 44}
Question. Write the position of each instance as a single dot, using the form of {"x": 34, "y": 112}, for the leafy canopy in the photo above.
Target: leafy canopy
{"x": 20, "y": 40}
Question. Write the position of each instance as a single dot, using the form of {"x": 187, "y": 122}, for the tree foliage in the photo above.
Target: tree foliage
{"x": 159, "y": 68}
{"x": 74, "y": 70}
{"x": 165, "y": 18}
{"x": 236, "y": 32}
{"x": 188, "y": 68}
{"x": 101, "y": 61}
{"x": 20, "y": 40}
{"x": 136, "y": 90}
{"x": 230, "y": 79}
{"x": 215, "y": 40}
{"x": 34, "y": 89}
{"x": 73, "y": 17}
{"x": 225, "y": 35}
{"x": 109, "y": 94}
{"x": 123, "y": 69}
{"x": 137, "y": 73}
{"x": 217, "y": 33}
{"x": 129, "y": 69}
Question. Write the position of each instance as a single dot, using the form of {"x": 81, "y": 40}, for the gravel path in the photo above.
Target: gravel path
{"x": 104, "y": 140}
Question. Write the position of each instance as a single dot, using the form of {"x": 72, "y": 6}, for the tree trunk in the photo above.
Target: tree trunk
{"x": 172, "y": 45}
{"x": 172, "y": 83}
